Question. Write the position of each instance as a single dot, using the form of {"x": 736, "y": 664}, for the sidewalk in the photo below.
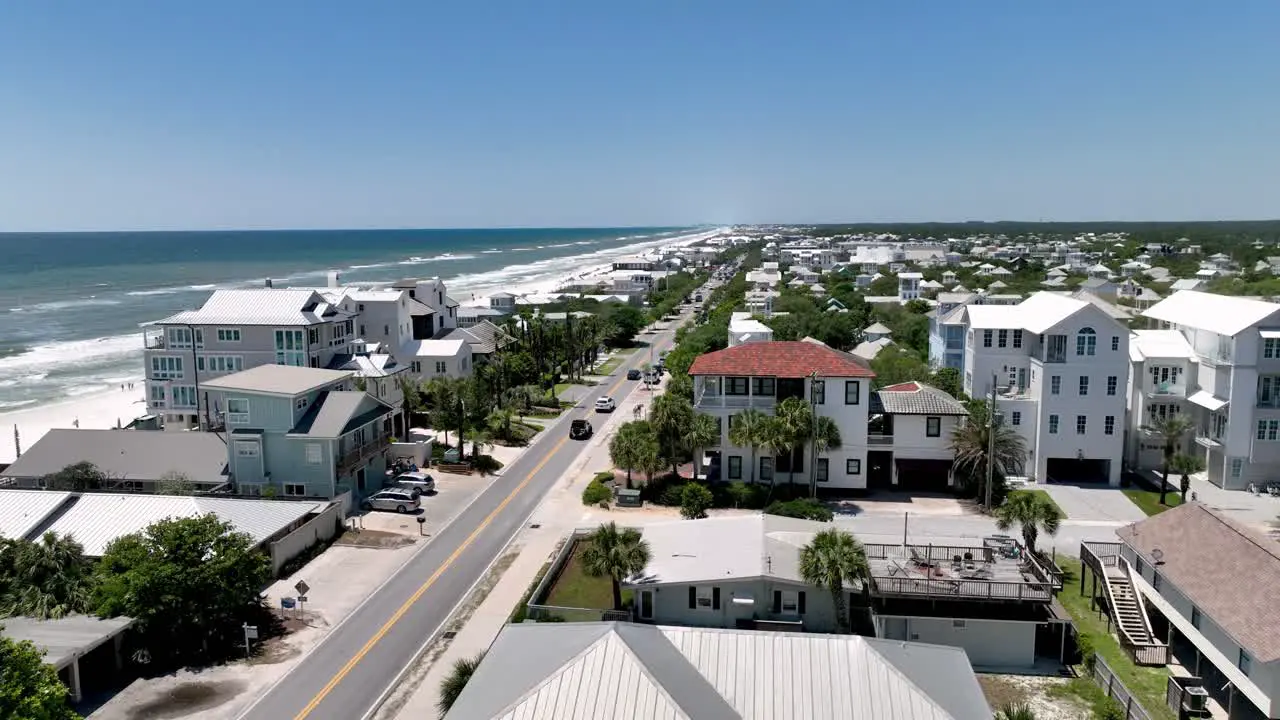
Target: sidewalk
{"x": 560, "y": 512}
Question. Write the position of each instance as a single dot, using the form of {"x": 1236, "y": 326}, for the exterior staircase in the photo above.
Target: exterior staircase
{"x": 1125, "y": 610}
{"x": 1128, "y": 609}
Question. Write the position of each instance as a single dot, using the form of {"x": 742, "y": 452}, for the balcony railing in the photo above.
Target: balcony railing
{"x": 154, "y": 343}
{"x": 879, "y": 439}
{"x": 1166, "y": 388}
{"x": 1203, "y": 439}
{"x": 358, "y": 456}
{"x": 736, "y": 401}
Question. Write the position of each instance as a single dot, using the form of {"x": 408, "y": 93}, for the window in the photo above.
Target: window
{"x": 1055, "y": 384}
{"x": 289, "y": 348}
{"x": 1112, "y": 381}
{"x": 762, "y": 386}
{"x": 986, "y": 338}
{"x": 246, "y": 449}
{"x": 933, "y": 427}
{"x": 1195, "y": 617}
{"x": 1156, "y": 582}
{"x": 1002, "y": 338}
{"x": 852, "y": 392}
{"x": 1139, "y": 565}
{"x": 1109, "y": 425}
{"x": 853, "y": 466}
{"x": 1237, "y": 467}
{"x": 1053, "y": 424}
{"x": 220, "y": 363}
{"x": 361, "y": 329}
{"x": 1017, "y": 339}
{"x": 295, "y": 489}
{"x": 315, "y": 453}
{"x": 1271, "y": 348}
{"x": 386, "y": 329}
{"x": 228, "y": 334}
{"x": 735, "y": 386}
{"x": 1086, "y": 342}
{"x": 819, "y": 392}
{"x": 959, "y": 624}
{"x": 1016, "y": 417}
{"x": 1268, "y": 429}
{"x": 237, "y": 411}
{"x": 182, "y": 337}
{"x": 1115, "y": 343}
{"x": 300, "y": 403}
{"x": 1084, "y": 384}
{"x": 441, "y": 367}
{"x": 789, "y": 602}
{"x": 313, "y": 335}
{"x": 1082, "y": 423}
{"x": 1244, "y": 662}
{"x": 821, "y": 471}
{"x": 157, "y": 395}
{"x": 766, "y": 469}
{"x": 166, "y": 368}
{"x": 183, "y": 395}
{"x": 703, "y": 597}
{"x": 735, "y": 467}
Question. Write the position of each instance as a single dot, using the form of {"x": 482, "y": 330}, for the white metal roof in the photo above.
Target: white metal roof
{"x": 1222, "y": 314}
{"x": 993, "y": 317}
{"x": 261, "y": 306}
{"x": 67, "y": 638}
{"x": 1043, "y": 310}
{"x": 433, "y": 348}
{"x": 22, "y": 511}
{"x": 1207, "y": 400}
{"x": 278, "y": 379}
{"x": 1145, "y": 344}
{"x": 96, "y": 519}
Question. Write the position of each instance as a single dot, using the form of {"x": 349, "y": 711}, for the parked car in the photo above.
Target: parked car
{"x": 580, "y": 430}
{"x": 633, "y": 374}
{"x": 419, "y": 482}
{"x": 400, "y": 500}
{"x": 606, "y": 404}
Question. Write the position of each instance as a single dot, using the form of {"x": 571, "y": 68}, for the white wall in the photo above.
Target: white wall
{"x": 911, "y": 440}
{"x": 988, "y": 643}
{"x": 320, "y": 527}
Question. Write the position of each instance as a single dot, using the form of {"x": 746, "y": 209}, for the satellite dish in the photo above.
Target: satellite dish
{"x": 1157, "y": 555}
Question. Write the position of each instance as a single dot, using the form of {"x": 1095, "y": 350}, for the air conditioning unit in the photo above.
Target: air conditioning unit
{"x": 1196, "y": 699}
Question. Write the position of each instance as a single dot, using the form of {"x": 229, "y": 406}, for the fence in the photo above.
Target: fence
{"x": 1106, "y": 679}
{"x": 318, "y": 527}
{"x": 535, "y": 610}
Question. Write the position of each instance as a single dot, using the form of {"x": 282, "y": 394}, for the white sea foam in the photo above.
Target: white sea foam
{"x": 11, "y": 404}
{"x": 39, "y": 360}
{"x": 64, "y": 305}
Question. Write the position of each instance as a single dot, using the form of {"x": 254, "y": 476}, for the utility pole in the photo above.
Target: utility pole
{"x": 991, "y": 442}
{"x": 813, "y": 445}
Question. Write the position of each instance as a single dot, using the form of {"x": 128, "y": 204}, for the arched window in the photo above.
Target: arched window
{"x": 1086, "y": 342}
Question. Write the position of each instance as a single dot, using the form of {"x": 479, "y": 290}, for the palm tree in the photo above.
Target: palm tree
{"x": 747, "y": 431}
{"x": 825, "y": 436}
{"x": 1016, "y": 711}
{"x": 972, "y": 444}
{"x": 446, "y": 398}
{"x": 703, "y": 432}
{"x": 671, "y": 416}
{"x": 48, "y": 578}
{"x": 1032, "y": 511}
{"x": 455, "y": 682}
{"x": 1171, "y": 429}
{"x": 615, "y": 553}
{"x": 796, "y": 419}
{"x": 632, "y": 446}
{"x": 833, "y": 560}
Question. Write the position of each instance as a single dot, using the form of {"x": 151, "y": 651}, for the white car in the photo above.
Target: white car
{"x": 418, "y": 482}
{"x": 606, "y": 404}
{"x": 402, "y": 501}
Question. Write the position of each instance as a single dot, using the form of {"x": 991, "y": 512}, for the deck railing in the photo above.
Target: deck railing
{"x": 357, "y": 456}
{"x": 1098, "y": 556}
{"x": 1040, "y": 590}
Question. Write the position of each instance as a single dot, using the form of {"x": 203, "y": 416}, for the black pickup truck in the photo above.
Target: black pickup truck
{"x": 579, "y": 430}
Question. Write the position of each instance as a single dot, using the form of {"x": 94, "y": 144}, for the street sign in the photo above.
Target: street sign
{"x": 251, "y": 632}
{"x": 302, "y": 587}
{"x": 302, "y": 598}
{"x": 286, "y": 603}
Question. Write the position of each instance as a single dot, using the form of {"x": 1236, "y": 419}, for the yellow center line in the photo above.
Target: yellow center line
{"x": 399, "y": 613}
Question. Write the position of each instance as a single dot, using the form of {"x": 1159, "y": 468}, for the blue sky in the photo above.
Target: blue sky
{"x": 148, "y": 115}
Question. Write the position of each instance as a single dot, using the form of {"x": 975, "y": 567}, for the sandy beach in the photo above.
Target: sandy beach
{"x": 95, "y": 411}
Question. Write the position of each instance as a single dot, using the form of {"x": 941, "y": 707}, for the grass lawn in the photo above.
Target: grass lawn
{"x": 608, "y": 366}
{"x": 574, "y": 588}
{"x": 1146, "y": 683}
{"x": 1149, "y": 500}
{"x": 1044, "y": 496}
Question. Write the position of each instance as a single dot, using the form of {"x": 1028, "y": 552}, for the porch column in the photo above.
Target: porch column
{"x": 73, "y": 674}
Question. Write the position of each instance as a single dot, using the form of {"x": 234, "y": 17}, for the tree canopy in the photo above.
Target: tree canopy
{"x": 48, "y": 578}
{"x": 30, "y": 688}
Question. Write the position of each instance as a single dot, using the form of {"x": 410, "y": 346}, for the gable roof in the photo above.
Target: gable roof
{"x": 1208, "y": 556}
{"x": 1222, "y": 314}
{"x": 781, "y": 358}
{"x": 484, "y": 337}
{"x": 916, "y": 398}
{"x": 277, "y": 380}
{"x": 261, "y": 306}
{"x": 126, "y": 454}
{"x": 612, "y": 670}
{"x": 337, "y": 412}
{"x": 1145, "y": 344}
{"x": 877, "y": 328}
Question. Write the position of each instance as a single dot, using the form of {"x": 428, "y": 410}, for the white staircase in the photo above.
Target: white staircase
{"x": 1125, "y": 608}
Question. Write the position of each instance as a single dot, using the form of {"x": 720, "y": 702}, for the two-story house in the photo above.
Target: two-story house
{"x": 301, "y": 432}
{"x": 1205, "y": 591}
{"x": 236, "y": 330}
{"x": 760, "y": 375}
{"x": 1163, "y": 371}
{"x": 744, "y": 329}
{"x": 1236, "y": 391}
{"x": 435, "y": 311}
{"x": 909, "y": 437}
{"x": 1059, "y": 366}
{"x": 909, "y": 285}
{"x": 947, "y": 329}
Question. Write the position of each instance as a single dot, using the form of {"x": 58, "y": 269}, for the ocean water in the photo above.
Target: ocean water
{"x": 71, "y": 303}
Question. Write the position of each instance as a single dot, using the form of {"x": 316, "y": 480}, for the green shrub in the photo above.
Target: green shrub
{"x": 671, "y": 495}
{"x": 1088, "y": 653}
{"x": 486, "y": 464}
{"x": 694, "y": 501}
{"x": 806, "y": 509}
{"x": 595, "y": 493}
{"x": 1109, "y": 709}
{"x": 604, "y": 476}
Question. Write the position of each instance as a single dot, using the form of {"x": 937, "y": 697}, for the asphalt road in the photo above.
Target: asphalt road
{"x": 350, "y": 669}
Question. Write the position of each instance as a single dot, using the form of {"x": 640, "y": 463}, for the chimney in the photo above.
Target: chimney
{"x": 267, "y": 283}
{"x": 333, "y": 278}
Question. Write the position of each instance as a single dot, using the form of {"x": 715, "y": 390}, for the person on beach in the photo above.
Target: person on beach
{"x": 76, "y": 423}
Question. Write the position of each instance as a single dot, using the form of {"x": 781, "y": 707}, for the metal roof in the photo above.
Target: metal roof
{"x": 126, "y": 454}
{"x": 65, "y": 639}
{"x": 261, "y": 306}
{"x": 433, "y": 348}
{"x": 96, "y": 519}
{"x": 337, "y": 412}
{"x": 624, "y": 670}
{"x": 22, "y": 511}
{"x": 1144, "y": 344}
{"x": 1222, "y": 314}
{"x": 278, "y": 380}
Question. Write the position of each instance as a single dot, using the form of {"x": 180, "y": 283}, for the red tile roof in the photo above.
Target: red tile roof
{"x": 781, "y": 358}
{"x": 910, "y": 386}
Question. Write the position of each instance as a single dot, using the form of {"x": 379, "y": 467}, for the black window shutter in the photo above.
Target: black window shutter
{"x": 715, "y": 598}
{"x": 800, "y": 603}
{"x": 693, "y": 597}
{"x": 777, "y": 601}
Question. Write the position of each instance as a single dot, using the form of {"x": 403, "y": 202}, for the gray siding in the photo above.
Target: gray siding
{"x": 671, "y": 605}
{"x": 989, "y": 643}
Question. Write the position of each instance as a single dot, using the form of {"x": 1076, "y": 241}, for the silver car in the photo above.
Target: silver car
{"x": 400, "y": 500}
{"x": 418, "y": 482}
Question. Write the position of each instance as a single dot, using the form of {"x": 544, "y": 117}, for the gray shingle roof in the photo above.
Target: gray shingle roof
{"x": 916, "y": 398}
{"x": 126, "y": 454}
{"x": 606, "y": 670}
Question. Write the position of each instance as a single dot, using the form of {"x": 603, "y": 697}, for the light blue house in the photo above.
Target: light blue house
{"x": 947, "y": 331}
{"x": 301, "y": 432}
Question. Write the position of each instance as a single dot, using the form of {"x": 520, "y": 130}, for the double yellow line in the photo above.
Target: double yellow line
{"x": 399, "y": 613}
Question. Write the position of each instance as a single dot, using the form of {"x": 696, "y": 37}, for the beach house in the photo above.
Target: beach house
{"x": 301, "y": 432}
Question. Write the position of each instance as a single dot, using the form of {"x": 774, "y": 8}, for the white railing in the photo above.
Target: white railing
{"x": 736, "y": 401}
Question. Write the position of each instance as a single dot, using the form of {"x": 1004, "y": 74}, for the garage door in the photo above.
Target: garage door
{"x": 923, "y": 475}
{"x": 1073, "y": 470}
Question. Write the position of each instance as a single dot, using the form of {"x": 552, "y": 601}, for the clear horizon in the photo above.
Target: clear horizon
{"x": 317, "y": 115}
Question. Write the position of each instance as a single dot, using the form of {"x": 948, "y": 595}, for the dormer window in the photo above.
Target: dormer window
{"x": 1086, "y": 342}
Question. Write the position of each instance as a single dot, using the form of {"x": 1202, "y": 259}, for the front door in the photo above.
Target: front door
{"x": 646, "y": 604}
{"x": 360, "y": 479}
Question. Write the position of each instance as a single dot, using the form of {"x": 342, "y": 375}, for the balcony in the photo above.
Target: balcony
{"x": 1204, "y": 439}
{"x": 154, "y": 342}
{"x": 1166, "y": 389}
{"x": 879, "y": 439}
{"x": 357, "y": 457}
{"x": 758, "y": 402}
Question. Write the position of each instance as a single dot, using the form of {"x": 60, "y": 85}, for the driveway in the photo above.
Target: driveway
{"x": 1092, "y": 502}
